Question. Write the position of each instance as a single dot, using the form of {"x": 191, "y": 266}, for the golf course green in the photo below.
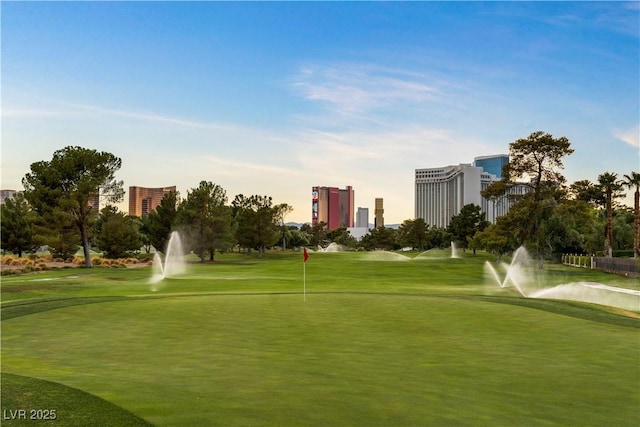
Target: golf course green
{"x": 394, "y": 340}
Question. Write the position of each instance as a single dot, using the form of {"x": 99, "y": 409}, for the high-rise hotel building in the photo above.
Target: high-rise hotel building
{"x": 442, "y": 192}
{"x": 143, "y": 200}
{"x": 333, "y": 206}
{"x": 379, "y": 213}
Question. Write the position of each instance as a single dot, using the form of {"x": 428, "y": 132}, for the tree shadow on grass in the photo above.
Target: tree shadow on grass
{"x": 49, "y": 403}
{"x": 567, "y": 308}
{"x": 24, "y": 308}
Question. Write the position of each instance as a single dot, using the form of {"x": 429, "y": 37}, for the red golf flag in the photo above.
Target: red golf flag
{"x": 305, "y": 255}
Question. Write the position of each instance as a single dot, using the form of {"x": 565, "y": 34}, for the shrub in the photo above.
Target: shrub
{"x": 7, "y": 260}
{"x": 145, "y": 257}
{"x": 9, "y": 272}
{"x": 623, "y": 253}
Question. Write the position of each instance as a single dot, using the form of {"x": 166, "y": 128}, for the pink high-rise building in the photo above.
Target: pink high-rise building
{"x": 333, "y": 206}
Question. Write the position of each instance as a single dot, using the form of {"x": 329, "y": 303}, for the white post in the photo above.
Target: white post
{"x": 304, "y": 282}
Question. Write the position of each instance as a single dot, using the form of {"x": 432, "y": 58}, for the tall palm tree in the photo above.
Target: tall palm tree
{"x": 610, "y": 187}
{"x": 631, "y": 181}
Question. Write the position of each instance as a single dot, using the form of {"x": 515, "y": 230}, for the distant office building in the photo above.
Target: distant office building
{"x": 6, "y": 194}
{"x": 379, "y": 213}
{"x": 333, "y": 206}
{"x": 440, "y": 193}
{"x": 143, "y": 200}
{"x": 362, "y": 224}
{"x": 492, "y": 164}
{"x": 362, "y": 218}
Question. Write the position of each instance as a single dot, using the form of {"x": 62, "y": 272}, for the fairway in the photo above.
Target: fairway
{"x": 376, "y": 343}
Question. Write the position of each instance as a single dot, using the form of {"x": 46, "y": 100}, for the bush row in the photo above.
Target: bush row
{"x": 26, "y": 261}
{"x": 30, "y": 264}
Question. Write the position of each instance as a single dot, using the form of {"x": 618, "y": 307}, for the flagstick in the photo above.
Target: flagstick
{"x": 305, "y": 257}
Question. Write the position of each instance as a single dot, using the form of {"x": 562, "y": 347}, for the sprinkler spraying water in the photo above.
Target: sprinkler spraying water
{"x": 520, "y": 276}
{"x": 173, "y": 264}
{"x": 454, "y": 250}
{"x": 333, "y": 247}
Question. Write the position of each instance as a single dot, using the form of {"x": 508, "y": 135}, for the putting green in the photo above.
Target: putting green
{"x": 344, "y": 359}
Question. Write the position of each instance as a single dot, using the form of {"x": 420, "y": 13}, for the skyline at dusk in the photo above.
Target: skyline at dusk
{"x": 275, "y": 98}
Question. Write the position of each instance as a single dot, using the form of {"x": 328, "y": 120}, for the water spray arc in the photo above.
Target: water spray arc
{"x": 333, "y": 247}
{"x": 431, "y": 254}
{"x": 454, "y": 250}
{"x": 173, "y": 264}
{"x": 527, "y": 284}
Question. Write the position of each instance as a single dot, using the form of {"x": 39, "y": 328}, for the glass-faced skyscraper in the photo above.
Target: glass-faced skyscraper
{"x": 492, "y": 164}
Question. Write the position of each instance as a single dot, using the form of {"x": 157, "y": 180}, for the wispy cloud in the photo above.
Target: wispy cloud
{"x": 70, "y": 109}
{"x": 359, "y": 87}
{"x": 618, "y": 17}
{"x": 28, "y": 113}
{"x": 630, "y": 136}
{"x": 241, "y": 168}
{"x": 624, "y": 19}
{"x": 154, "y": 117}
{"x": 632, "y": 5}
{"x": 374, "y": 152}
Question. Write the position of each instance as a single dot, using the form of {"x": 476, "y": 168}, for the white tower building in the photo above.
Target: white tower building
{"x": 442, "y": 192}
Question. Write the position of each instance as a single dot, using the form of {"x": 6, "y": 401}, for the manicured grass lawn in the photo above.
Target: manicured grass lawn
{"x": 376, "y": 343}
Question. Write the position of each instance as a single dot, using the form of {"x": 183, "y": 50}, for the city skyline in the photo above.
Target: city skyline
{"x": 272, "y": 98}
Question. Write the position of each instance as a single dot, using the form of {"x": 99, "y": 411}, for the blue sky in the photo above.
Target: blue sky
{"x": 273, "y": 98}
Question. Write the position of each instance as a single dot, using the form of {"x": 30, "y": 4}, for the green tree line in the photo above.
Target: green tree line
{"x": 55, "y": 211}
{"x": 549, "y": 217}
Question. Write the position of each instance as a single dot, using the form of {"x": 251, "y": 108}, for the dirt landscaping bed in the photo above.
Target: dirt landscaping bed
{"x": 10, "y": 265}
